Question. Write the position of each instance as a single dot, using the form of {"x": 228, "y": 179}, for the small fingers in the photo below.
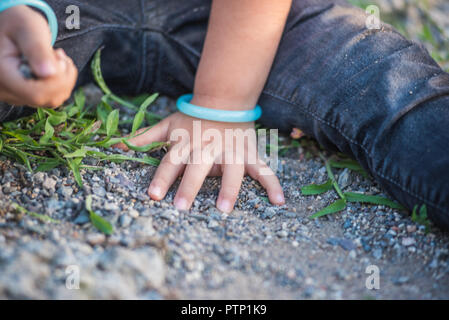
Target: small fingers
{"x": 191, "y": 183}
{"x": 262, "y": 173}
{"x": 166, "y": 174}
{"x": 39, "y": 52}
{"x": 48, "y": 92}
{"x": 230, "y": 186}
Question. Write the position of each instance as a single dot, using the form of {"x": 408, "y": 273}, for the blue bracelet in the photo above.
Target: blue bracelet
{"x": 41, "y": 5}
{"x": 187, "y": 108}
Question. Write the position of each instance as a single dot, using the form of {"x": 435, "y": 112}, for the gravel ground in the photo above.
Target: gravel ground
{"x": 257, "y": 252}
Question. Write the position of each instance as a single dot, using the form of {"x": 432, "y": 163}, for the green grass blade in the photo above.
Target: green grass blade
{"x": 98, "y": 75}
{"x": 137, "y": 122}
{"x": 101, "y": 224}
{"x": 76, "y": 172}
{"x": 332, "y": 177}
{"x": 38, "y": 216}
{"x": 335, "y": 207}
{"x": 146, "y": 148}
{"x": 314, "y": 189}
{"x": 96, "y": 220}
{"x": 112, "y": 123}
{"x": 49, "y": 132}
{"x": 376, "y": 200}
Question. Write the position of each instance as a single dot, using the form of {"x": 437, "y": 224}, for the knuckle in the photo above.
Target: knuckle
{"x": 160, "y": 181}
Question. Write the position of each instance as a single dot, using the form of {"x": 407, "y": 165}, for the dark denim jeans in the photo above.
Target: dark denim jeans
{"x": 369, "y": 93}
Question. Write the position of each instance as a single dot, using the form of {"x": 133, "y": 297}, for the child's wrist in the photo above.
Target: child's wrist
{"x": 223, "y": 103}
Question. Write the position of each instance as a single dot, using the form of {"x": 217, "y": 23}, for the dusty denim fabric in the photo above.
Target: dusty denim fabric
{"x": 369, "y": 93}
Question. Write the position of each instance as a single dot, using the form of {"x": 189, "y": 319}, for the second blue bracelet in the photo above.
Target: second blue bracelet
{"x": 187, "y": 108}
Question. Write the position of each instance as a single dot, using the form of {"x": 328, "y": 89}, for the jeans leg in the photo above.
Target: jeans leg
{"x": 369, "y": 93}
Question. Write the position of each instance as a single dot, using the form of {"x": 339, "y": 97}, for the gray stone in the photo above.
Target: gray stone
{"x": 125, "y": 220}
{"x": 49, "y": 184}
{"x": 66, "y": 192}
{"x": 96, "y": 238}
{"x": 408, "y": 241}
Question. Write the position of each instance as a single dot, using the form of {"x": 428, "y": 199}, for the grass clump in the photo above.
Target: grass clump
{"x": 64, "y": 137}
{"x": 344, "y": 197}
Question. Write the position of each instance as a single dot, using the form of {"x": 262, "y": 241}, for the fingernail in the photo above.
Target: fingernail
{"x": 224, "y": 205}
{"x": 46, "y": 69}
{"x": 155, "y": 191}
{"x": 181, "y": 204}
{"x": 280, "y": 198}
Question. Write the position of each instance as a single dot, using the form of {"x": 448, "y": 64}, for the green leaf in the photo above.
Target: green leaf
{"x": 89, "y": 202}
{"x": 140, "y": 115}
{"x": 79, "y": 153}
{"x": 337, "y": 206}
{"x": 314, "y": 189}
{"x": 19, "y": 136}
{"x": 48, "y": 165}
{"x": 97, "y": 221}
{"x": 22, "y": 156}
{"x": 101, "y": 224}
{"x": 121, "y": 157}
{"x": 423, "y": 212}
{"x": 112, "y": 123}
{"x": 49, "y": 132}
{"x": 80, "y": 98}
{"x": 96, "y": 71}
{"x": 138, "y": 119}
{"x": 421, "y": 217}
{"x": 40, "y": 113}
{"x": 76, "y": 172}
{"x": 376, "y": 200}
{"x": 56, "y": 118}
{"x": 102, "y": 112}
{"x": 148, "y": 101}
{"x": 146, "y": 148}
{"x": 349, "y": 164}
{"x": 107, "y": 143}
{"x": 332, "y": 178}
{"x": 38, "y": 216}
{"x": 72, "y": 110}
{"x": 88, "y": 132}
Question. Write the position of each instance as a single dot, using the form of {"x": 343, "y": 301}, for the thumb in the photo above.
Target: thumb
{"x": 37, "y": 49}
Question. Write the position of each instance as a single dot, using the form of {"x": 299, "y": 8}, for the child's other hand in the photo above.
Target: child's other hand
{"x": 25, "y": 32}
{"x": 195, "y": 158}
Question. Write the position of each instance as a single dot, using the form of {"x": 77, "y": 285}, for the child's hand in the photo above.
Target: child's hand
{"x": 195, "y": 151}
{"x": 25, "y": 33}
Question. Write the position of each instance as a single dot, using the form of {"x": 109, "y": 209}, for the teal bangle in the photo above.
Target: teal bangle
{"x": 41, "y": 5}
{"x": 189, "y": 109}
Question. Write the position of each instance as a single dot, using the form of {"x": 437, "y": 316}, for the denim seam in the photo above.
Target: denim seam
{"x": 95, "y": 28}
{"x": 361, "y": 146}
